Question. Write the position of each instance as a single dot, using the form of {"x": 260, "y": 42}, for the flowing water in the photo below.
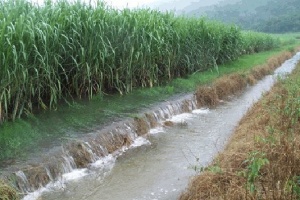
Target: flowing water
{"x": 122, "y": 162}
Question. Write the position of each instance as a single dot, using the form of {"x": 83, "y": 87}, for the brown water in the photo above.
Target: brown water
{"x": 160, "y": 164}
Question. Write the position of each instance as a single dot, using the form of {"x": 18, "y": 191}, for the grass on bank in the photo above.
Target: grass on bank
{"x": 7, "y": 193}
{"x": 242, "y": 64}
{"x": 262, "y": 158}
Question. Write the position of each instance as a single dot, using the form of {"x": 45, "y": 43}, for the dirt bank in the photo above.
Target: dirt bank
{"x": 231, "y": 84}
{"x": 262, "y": 158}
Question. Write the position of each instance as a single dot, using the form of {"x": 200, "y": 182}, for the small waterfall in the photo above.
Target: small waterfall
{"x": 68, "y": 165}
{"x": 22, "y": 182}
{"x": 49, "y": 174}
{"x": 80, "y": 154}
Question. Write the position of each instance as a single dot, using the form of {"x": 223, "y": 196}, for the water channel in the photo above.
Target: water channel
{"x": 158, "y": 165}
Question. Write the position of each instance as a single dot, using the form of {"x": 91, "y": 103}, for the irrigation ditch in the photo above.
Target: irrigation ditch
{"x": 261, "y": 158}
{"x": 48, "y": 56}
{"x": 113, "y": 140}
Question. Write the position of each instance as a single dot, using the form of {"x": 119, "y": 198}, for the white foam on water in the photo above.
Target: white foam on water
{"x": 201, "y": 111}
{"x": 140, "y": 141}
{"x": 36, "y": 194}
{"x": 59, "y": 184}
{"x": 181, "y": 117}
{"x": 103, "y": 162}
{"x": 75, "y": 174}
{"x": 157, "y": 130}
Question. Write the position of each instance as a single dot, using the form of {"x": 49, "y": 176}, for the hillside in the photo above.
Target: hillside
{"x": 274, "y": 16}
{"x": 178, "y": 5}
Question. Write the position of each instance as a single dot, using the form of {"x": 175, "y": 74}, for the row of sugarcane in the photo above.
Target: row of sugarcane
{"x": 58, "y": 50}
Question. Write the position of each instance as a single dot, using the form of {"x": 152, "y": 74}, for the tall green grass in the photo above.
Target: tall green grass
{"x": 59, "y": 50}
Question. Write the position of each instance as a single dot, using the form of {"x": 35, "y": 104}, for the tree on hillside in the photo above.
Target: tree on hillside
{"x": 261, "y": 15}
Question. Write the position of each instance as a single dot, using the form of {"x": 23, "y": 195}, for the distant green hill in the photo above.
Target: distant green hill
{"x": 275, "y": 16}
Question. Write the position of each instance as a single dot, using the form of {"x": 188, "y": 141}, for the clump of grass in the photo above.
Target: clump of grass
{"x": 206, "y": 96}
{"x": 262, "y": 158}
{"x": 229, "y": 85}
{"x": 168, "y": 123}
{"x": 112, "y": 141}
{"x": 37, "y": 177}
{"x": 81, "y": 154}
{"x": 251, "y": 80}
{"x": 151, "y": 119}
{"x": 61, "y": 49}
{"x": 7, "y": 192}
{"x": 142, "y": 127}
{"x": 185, "y": 107}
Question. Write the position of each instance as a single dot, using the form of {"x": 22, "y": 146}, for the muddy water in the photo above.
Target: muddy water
{"x": 160, "y": 165}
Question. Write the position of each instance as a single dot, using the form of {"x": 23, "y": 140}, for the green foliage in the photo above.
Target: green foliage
{"x": 256, "y": 161}
{"x": 293, "y": 185}
{"x": 14, "y": 140}
{"x": 256, "y": 42}
{"x": 214, "y": 169}
{"x": 61, "y": 50}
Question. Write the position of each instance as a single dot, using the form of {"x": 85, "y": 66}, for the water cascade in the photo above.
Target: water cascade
{"x": 81, "y": 154}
